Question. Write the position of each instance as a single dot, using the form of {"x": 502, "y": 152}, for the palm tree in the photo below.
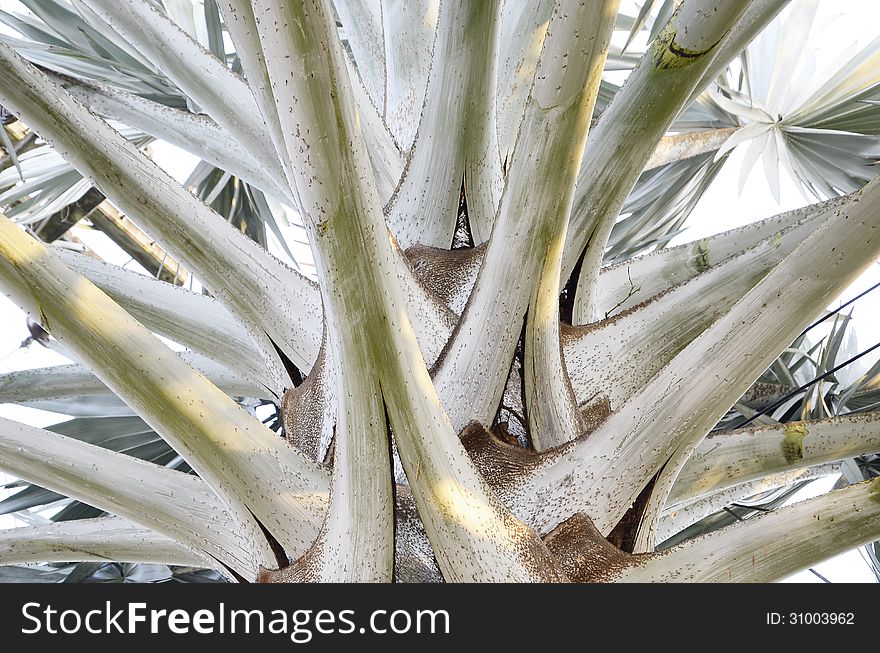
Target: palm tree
{"x": 496, "y": 369}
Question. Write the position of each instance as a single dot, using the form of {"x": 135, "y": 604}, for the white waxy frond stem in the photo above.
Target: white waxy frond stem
{"x": 616, "y": 357}
{"x": 229, "y": 448}
{"x": 364, "y": 30}
{"x": 531, "y": 221}
{"x": 136, "y": 490}
{"x": 675, "y": 518}
{"x": 76, "y": 381}
{"x": 409, "y": 34}
{"x": 650, "y": 431}
{"x": 730, "y": 457}
{"x": 473, "y": 535}
{"x": 456, "y": 146}
{"x": 194, "y": 320}
{"x": 785, "y": 541}
{"x": 104, "y": 539}
{"x": 243, "y": 275}
{"x": 203, "y": 77}
{"x": 632, "y": 282}
{"x": 639, "y": 115}
{"x": 193, "y": 133}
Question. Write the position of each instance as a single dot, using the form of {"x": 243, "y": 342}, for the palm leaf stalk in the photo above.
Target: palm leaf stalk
{"x": 465, "y": 391}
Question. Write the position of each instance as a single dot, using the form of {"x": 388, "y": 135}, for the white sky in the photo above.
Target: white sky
{"x": 846, "y": 25}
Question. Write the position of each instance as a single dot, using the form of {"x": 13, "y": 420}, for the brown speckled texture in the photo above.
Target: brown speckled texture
{"x": 584, "y": 555}
{"x": 302, "y": 409}
{"x": 413, "y": 558}
{"x": 449, "y": 274}
{"x": 500, "y": 463}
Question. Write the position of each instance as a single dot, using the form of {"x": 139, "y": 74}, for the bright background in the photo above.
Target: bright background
{"x": 841, "y": 26}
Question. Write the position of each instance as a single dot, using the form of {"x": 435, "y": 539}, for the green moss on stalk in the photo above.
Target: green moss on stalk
{"x": 44, "y": 319}
{"x": 874, "y": 491}
{"x": 793, "y": 442}
{"x": 668, "y": 55}
{"x": 701, "y": 255}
